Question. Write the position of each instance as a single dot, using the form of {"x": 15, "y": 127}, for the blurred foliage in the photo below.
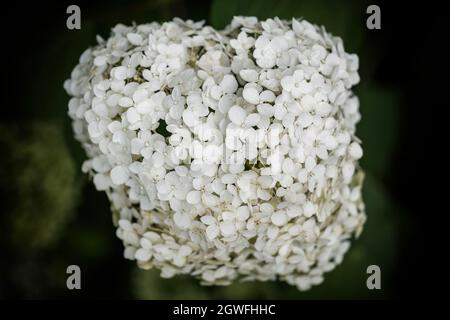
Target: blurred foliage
{"x": 41, "y": 176}
{"x": 379, "y": 127}
{"x": 40, "y": 191}
{"x": 39, "y": 179}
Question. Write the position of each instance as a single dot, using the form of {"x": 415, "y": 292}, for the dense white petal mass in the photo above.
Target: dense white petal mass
{"x": 227, "y": 155}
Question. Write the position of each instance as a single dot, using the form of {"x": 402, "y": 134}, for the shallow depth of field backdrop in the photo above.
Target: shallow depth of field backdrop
{"x": 52, "y": 216}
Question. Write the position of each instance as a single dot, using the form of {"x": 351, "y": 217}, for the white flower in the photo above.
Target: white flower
{"x": 237, "y": 115}
{"x": 242, "y": 44}
{"x": 355, "y": 150}
{"x": 182, "y": 220}
{"x": 251, "y": 94}
{"x": 225, "y": 154}
{"x": 171, "y": 187}
{"x": 296, "y": 84}
{"x": 119, "y": 175}
{"x": 249, "y": 75}
{"x": 227, "y": 228}
{"x": 268, "y": 51}
{"x": 279, "y": 218}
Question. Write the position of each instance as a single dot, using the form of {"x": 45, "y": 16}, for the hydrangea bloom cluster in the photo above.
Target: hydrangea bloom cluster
{"x": 225, "y": 154}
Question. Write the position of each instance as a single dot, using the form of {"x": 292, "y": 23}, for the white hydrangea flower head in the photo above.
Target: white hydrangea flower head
{"x": 226, "y": 155}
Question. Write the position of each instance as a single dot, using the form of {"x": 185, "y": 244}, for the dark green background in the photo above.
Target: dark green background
{"x": 52, "y": 216}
